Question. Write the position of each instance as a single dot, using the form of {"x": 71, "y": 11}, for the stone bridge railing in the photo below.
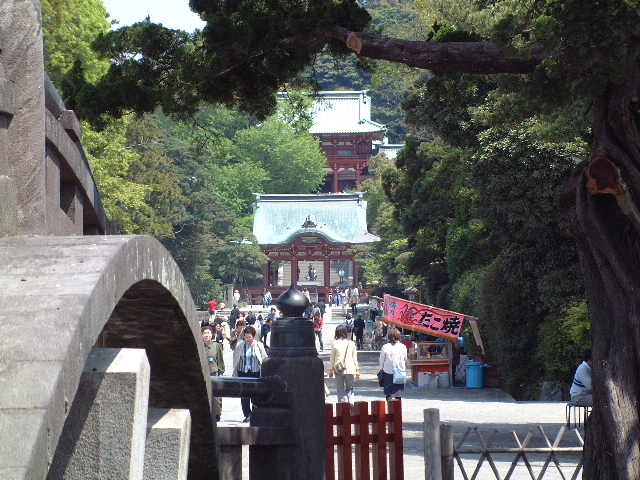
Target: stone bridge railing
{"x": 102, "y": 369}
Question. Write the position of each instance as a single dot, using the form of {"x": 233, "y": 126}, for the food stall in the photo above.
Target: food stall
{"x": 432, "y": 357}
{"x": 429, "y": 356}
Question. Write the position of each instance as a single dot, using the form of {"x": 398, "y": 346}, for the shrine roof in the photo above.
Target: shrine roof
{"x": 340, "y": 218}
{"x": 342, "y": 112}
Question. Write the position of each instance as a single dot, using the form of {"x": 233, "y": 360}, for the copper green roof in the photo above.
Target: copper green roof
{"x": 337, "y": 112}
{"x": 340, "y": 218}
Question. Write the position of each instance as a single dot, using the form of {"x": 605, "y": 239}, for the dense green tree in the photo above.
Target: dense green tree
{"x": 293, "y": 162}
{"x": 384, "y": 263}
{"x": 124, "y": 199}
{"x": 70, "y": 27}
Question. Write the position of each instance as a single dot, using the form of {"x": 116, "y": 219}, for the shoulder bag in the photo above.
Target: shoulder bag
{"x": 399, "y": 374}
{"x": 340, "y": 366}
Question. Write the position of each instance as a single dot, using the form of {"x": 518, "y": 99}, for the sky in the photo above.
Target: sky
{"x": 171, "y": 13}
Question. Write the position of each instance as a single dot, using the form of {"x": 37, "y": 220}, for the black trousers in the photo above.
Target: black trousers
{"x": 246, "y": 401}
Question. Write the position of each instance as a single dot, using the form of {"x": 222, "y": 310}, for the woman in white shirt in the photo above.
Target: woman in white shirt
{"x": 393, "y": 356}
{"x": 343, "y": 363}
{"x": 247, "y": 362}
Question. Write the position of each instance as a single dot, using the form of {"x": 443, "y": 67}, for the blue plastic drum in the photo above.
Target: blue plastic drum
{"x": 475, "y": 374}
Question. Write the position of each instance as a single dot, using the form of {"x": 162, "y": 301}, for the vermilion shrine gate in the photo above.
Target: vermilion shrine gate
{"x": 342, "y": 122}
{"x": 309, "y": 240}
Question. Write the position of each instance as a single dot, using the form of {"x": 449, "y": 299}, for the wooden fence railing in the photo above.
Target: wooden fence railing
{"x": 369, "y": 441}
{"x": 475, "y": 448}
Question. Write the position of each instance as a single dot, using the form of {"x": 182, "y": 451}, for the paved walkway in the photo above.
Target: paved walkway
{"x": 491, "y": 409}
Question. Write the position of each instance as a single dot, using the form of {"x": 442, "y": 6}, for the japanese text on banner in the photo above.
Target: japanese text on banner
{"x": 423, "y": 318}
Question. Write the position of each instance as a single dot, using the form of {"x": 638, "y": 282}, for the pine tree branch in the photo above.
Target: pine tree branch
{"x": 441, "y": 57}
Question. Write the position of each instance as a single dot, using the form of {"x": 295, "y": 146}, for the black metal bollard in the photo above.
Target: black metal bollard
{"x": 295, "y": 360}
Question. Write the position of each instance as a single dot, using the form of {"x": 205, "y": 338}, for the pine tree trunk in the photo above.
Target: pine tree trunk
{"x": 606, "y": 224}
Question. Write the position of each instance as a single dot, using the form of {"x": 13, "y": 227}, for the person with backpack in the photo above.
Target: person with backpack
{"x": 348, "y": 322}
{"x": 343, "y": 364}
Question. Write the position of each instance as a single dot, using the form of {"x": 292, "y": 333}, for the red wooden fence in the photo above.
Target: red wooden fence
{"x": 386, "y": 429}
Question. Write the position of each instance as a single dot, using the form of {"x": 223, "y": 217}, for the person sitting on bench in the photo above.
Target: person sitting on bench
{"x": 581, "y": 387}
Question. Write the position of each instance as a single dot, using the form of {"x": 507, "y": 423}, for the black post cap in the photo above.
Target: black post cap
{"x": 292, "y": 302}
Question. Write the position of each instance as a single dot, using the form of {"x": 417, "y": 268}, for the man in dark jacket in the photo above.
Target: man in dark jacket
{"x": 358, "y": 329}
{"x": 215, "y": 359}
{"x": 233, "y": 316}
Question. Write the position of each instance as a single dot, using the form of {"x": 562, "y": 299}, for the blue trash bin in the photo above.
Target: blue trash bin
{"x": 475, "y": 377}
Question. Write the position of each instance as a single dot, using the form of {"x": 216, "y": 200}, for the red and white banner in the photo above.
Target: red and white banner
{"x": 422, "y": 318}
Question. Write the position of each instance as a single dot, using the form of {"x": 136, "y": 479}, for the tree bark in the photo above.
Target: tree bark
{"x": 441, "y": 57}
{"x": 606, "y": 226}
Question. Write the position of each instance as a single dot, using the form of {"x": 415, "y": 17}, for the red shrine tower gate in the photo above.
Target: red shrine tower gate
{"x": 309, "y": 240}
{"x": 342, "y": 122}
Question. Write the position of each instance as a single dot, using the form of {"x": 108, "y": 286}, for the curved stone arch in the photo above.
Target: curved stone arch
{"x": 60, "y": 297}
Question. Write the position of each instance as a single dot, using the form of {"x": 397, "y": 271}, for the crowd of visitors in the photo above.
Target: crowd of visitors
{"x": 248, "y": 335}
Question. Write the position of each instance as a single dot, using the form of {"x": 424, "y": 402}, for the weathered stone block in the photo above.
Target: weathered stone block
{"x": 8, "y": 206}
{"x": 71, "y": 124}
{"x": 23, "y": 61}
{"x": 104, "y": 434}
{"x": 7, "y": 97}
{"x": 166, "y": 455}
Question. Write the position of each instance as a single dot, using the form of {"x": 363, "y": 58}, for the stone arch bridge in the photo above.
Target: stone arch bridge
{"x": 100, "y": 358}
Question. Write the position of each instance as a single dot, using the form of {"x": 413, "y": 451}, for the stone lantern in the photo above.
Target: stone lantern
{"x": 294, "y": 358}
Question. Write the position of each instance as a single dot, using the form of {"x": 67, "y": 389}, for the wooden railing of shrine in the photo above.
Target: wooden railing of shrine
{"x": 368, "y": 443}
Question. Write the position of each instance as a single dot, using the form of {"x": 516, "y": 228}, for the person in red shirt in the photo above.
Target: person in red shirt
{"x": 317, "y": 327}
{"x": 213, "y": 306}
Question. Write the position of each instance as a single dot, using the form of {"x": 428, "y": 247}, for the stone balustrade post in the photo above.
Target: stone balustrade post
{"x": 23, "y": 60}
{"x": 294, "y": 359}
{"x": 104, "y": 433}
{"x": 8, "y": 190}
{"x": 166, "y": 452}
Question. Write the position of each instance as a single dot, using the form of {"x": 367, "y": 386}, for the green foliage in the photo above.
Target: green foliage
{"x": 192, "y": 185}
{"x": 562, "y": 339}
{"x": 247, "y": 51}
{"x": 478, "y": 194}
{"x": 111, "y": 161}
{"x": 70, "y": 27}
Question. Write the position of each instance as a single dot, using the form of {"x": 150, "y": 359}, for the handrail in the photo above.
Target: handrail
{"x": 267, "y": 389}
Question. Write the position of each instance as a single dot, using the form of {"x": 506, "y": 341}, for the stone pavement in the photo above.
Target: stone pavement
{"x": 491, "y": 409}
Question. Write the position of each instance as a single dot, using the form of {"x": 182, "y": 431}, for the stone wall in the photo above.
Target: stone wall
{"x": 46, "y": 185}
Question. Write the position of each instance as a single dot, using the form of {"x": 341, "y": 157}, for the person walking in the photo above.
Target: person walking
{"x": 343, "y": 363}
{"x": 355, "y": 298}
{"x": 346, "y": 295}
{"x": 225, "y": 329}
{"x": 266, "y": 298}
{"x": 317, "y": 327}
{"x": 264, "y": 333}
{"x": 336, "y": 295}
{"x": 247, "y": 362}
{"x": 393, "y": 364}
{"x": 358, "y": 329}
{"x": 237, "y": 334}
{"x": 233, "y": 316}
{"x": 236, "y": 297}
{"x": 215, "y": 359}
{"x": 213, "y": 305}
